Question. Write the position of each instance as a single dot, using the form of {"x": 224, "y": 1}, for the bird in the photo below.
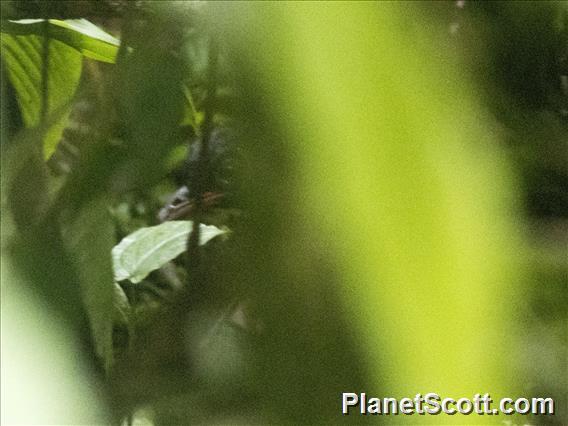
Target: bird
{"x": 219, "y": 180}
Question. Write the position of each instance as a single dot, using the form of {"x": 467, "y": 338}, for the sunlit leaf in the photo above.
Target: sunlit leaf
{"x": 80, "y": 34}
{"x": 22, "y": 56}
{"x": 149, "y": 248}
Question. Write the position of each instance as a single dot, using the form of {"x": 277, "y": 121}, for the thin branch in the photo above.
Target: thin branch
{"x": 199, "y": 187}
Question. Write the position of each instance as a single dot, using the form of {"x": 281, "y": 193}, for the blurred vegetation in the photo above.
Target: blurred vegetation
{"x": 231, "y": 213}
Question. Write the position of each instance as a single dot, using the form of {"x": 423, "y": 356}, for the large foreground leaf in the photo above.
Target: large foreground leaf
{"x": 414, "y": 207}
{"x": 149, "y": 248}
{"x": 40, "y": 365}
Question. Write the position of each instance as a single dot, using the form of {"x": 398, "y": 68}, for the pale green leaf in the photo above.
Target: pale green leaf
{"x": 148, "y": 249}
{"x": 40, "y": 363}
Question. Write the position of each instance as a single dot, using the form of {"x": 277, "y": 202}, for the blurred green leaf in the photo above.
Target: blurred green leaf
{"x": 22, "y": 55}
{"x": 80, "y": 34}
{"x": 24, "y": 178}
{"x": 89, "y": 238}
{"x": 150, "y": 100}
{"x": 418, "y": 203}
{"x": 41, "y": 366}
{"x": 150, "y": 248}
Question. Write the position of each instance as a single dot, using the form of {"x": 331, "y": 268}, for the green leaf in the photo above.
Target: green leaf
{"x": 150, "y": 248}
{"x": 89, "y": 236}
{"x": 22, "y": 45}
{"x": 415, "y": 210}
{"x": 22, "y": 56}
{"x": 45, "y": 371}
{"x": 80, "y": 34}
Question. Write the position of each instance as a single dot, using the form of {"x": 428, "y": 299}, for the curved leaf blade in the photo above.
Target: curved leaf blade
{"x": 149, "y": 248}
{"x": 22, "y": 57}
{"x": 79, "y": 34}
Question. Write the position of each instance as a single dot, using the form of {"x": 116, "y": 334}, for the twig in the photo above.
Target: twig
{"x": 199, "y": 187}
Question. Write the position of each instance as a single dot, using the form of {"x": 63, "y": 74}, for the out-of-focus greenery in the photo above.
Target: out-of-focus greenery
{"x": 396, "y": 201}
{"x": 43, "y": 380}
{"x": 394, "y": 162}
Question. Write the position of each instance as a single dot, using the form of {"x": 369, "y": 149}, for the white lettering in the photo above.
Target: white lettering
{"x": 349, "y": 400}
{"x": 432, "y": 401}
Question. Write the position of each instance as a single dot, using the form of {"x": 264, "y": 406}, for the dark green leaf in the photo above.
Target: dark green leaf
{"x": 89, "y": 237}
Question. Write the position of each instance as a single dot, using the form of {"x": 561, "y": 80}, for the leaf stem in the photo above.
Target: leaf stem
{"x": 45, "y": 74}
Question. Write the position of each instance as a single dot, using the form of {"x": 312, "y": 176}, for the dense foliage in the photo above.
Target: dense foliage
{"x": 221, "y": 213}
